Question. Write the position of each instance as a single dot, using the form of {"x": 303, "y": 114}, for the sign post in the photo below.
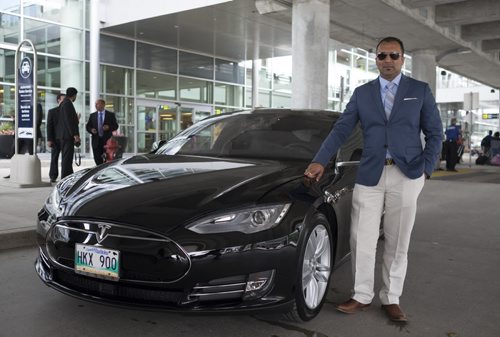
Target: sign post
{"x": 25, "y": 170}
{"x": 471, "y": 102}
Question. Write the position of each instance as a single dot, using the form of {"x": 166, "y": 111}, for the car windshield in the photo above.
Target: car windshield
{"x": 262, "y": 134}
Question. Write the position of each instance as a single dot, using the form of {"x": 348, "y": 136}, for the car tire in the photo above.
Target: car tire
{"x": 315, "y": 268}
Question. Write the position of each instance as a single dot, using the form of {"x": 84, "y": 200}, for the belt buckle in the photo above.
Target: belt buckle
{"x": 389, "y": 161}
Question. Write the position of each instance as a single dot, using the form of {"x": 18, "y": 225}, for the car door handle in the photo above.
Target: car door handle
{"x": 344, "y": 164}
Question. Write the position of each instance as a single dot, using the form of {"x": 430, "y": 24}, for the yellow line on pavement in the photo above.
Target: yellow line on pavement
{"x": 450, "y": 173}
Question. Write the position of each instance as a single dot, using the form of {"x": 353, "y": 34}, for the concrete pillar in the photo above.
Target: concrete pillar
{"x": 424, "y": 67}
{"x": 94, "y": 53}
{"x": 310, "y": 35}
{"x": 255, "y": 83}
{"x": 256, "y": 66}
{"x": 72, "y": 47}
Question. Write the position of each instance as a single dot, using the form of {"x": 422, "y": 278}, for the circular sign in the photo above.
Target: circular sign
{"x": 25, "y": 67}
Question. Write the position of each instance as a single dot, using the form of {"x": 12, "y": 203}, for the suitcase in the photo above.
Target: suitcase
{"x": 482, "y": 160}
{"x": 495, "y": 160}
{"x": 112, "y": 150}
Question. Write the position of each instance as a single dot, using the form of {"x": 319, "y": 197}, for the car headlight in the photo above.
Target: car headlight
{"x": 53, "y": 201}
{"x": 247, "y": 221}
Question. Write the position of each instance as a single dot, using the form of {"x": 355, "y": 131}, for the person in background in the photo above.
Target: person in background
{"x": 453, "y": 137}
{"x": 495, "y": 144}
{"x": 486, "y": 143}
{"x": 101, "y": 125}
{"x": 392, "y": 111}
{"x": 67, "y": 132}
{"x": 52, "y": 141}
{"x": 39, "y": 135}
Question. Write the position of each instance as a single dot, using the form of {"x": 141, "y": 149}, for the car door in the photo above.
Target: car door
{"x": 339, "y": 192}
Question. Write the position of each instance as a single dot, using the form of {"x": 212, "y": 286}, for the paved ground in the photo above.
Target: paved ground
{"x": 451, "y": 289}
{"x": 19, "y": 206}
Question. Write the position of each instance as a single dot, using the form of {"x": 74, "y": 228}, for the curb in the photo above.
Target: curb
{"x": 16, "y": 238}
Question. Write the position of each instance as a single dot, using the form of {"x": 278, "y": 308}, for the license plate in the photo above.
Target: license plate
{"x": 97, "y": 262}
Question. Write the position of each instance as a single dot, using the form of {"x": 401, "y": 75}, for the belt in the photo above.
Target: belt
{"x": 389, "y": 161}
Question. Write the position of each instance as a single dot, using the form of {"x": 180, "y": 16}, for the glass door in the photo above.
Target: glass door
{"x": 156, "y": 120}
{"x": 162, "y": 120}
{"x": 192, "y": 113}
{"x": 146, "y": 126}
{"x": 168, "y": 121}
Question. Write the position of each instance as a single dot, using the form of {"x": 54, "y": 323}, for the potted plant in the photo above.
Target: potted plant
{"x": 6, "y": 139}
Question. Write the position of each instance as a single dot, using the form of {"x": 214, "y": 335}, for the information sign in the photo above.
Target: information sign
{"x": 490, "y": 116}
{"x": 25, "y": 94}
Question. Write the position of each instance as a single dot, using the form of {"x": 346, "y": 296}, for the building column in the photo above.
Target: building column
{"x": 424, "y": 67}
{"x": 94, "y": 52}
{"x": 310, "y": 35}
{"x": 255, "y": 83}
{"x": 72, "y": 48}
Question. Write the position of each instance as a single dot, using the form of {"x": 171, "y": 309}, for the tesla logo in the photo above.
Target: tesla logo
{"x": 103, "y": 232}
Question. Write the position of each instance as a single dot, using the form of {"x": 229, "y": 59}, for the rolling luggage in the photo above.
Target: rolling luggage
{"x": 482, "y": 160}
{"x": 114, "y": 148}
{"x": 495, "y": 160}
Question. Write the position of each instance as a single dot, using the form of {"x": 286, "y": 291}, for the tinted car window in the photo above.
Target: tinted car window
{"x": 353, "y": 147}
{"x": 292, "y": 135}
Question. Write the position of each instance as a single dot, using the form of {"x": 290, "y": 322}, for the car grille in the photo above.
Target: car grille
{"x": 116, "y": 291}
{"x": 145, "y": 256}
{"x": 229, "y": 288}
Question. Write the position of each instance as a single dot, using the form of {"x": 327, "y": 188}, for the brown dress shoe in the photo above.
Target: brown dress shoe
{"x": 395, "y": 313}
{"x": 352, "y": 306}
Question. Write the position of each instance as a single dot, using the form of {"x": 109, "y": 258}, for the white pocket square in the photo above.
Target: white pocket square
{"x": 409, "y": 98}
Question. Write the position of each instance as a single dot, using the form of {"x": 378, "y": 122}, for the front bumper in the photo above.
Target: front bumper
{"x": 223, "y": 289}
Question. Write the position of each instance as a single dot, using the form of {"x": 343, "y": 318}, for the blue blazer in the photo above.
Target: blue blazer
{"x": 414, "y": 110}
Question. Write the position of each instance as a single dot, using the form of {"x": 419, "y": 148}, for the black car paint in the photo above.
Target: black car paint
{"x": 143, "y": 202}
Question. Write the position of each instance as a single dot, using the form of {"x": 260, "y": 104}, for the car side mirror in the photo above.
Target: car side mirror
{"x": 156, "y": 145}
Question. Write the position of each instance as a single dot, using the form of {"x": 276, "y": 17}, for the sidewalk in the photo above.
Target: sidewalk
{"x": 19, "y": 206}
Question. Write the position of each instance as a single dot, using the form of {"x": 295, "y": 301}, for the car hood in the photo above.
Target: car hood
{"x": 164, "y": 192}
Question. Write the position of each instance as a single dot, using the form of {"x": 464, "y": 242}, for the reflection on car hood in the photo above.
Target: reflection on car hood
{"x": 144, "y": 189}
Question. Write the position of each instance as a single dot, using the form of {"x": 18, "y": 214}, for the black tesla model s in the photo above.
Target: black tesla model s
{"x": 220, "y": 218}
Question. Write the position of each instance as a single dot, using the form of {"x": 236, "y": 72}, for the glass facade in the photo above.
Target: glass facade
{"x": 56, "y": 30}
{"x": 157, "y": 90}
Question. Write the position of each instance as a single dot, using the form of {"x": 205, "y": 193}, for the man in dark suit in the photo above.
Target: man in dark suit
{"x": 68, "y": 133}
{"x": 393, "y": 110}
{"x": 52, "y": 141}
{"x": 101, "y": 125}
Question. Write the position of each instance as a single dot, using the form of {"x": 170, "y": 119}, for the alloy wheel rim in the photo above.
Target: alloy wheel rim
{"x": 316, "y": 267}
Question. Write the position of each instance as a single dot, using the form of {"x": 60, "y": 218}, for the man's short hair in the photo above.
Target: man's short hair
{"x": 391, "y": 39}
{"x": 59, "y": 95}
{"x": 70, "y": 92}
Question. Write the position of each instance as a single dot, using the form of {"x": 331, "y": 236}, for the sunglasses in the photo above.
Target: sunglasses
{"x": 394, "y": 56}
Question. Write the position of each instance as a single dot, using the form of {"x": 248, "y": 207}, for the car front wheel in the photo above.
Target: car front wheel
{"x": 315, "y": 266}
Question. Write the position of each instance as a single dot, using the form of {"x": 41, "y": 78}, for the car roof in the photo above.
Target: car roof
{"x": 258, "y": 111}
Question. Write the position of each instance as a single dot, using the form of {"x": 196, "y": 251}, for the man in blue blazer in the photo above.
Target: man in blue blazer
{"x": 392, "y": 110}
{"x": 101, "y": 125}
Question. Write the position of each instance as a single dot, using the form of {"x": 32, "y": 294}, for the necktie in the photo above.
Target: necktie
{"x": 389, "y": 99}
{"x": 100, "y": 123}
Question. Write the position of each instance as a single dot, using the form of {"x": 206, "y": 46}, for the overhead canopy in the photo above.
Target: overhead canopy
{"x": 465, "y": 34}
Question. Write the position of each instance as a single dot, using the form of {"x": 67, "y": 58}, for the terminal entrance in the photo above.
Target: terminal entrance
{"x": 162, "y": 120}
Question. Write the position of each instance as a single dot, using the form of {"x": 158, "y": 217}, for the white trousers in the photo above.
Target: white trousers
{"x": 397, "y": 195}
